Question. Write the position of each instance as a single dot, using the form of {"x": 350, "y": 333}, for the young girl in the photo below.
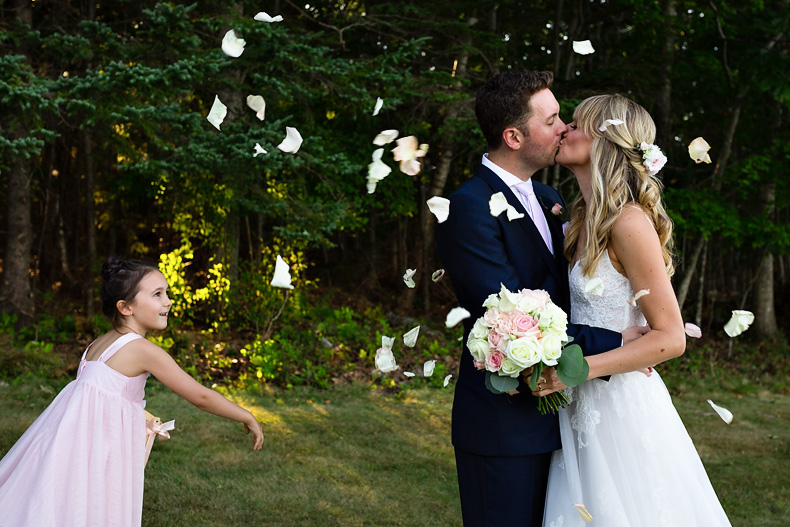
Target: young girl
{"x": 81, "y": 462}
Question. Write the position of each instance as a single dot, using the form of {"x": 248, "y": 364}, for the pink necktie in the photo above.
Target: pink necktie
{"x": 530, "y": 202}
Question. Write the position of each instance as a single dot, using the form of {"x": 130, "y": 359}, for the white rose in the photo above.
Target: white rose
{"x": 525, "y": 351}
{"x": 552, "y": 348}
{"x": 479, "y": 330}
{"x": 492, "y": 301}
{"x": 553, "y": 318}
{"x": 509, "y": 368}
{"x": 533, "y": 300}
{"x": 478, "y": 348}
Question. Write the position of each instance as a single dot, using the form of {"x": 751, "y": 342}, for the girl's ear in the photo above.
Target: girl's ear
{"x": 123, "y": 307}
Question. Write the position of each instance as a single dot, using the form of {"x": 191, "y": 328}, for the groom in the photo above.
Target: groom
{"x": 502, "y": 444}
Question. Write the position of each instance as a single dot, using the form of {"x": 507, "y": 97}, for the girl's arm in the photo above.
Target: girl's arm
{"x": 162, "y": 366}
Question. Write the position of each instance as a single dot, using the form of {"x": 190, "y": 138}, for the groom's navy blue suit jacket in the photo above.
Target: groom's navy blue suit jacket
{"x": 479, "y": 252}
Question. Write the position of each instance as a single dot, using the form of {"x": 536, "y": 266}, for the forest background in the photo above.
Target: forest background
{"x": 105, "y": 149}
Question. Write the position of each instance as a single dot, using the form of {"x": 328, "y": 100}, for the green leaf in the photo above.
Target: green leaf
{"x": 499, "y": 384}
{"x": 572, "y": 368}
{"x": 533, "y": 380}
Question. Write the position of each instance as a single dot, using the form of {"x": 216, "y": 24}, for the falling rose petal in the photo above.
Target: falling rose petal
{"x": 513, "y": 214}
{"x": 387, "y": 342}
{"x": 258, "y": 105}
{"x": 259, "y": 150}
{"x": 379, "y": 104}
{"x": 232, "y": 45}
{"x": 408, "y": 374}
{"x": 725, "y": 414}
{"x": 437, "y": 275}
{"x": 292, "y": 141}
{"x": 263, "y": 17}
{"x": 639, "y": 294}
{"x": 692, "y": 330}
{"x": 497, "y": 204}
{"x": 407, "y": 153}
{"x": 594, "y": 286}
{"x": 427, "y": 368}
{"x": 698, "y": 150}
{"x": 282, "y": 276}
{"x": 385, "y": 137}
{"x": 407, "y": 278}
{"x": 613, "y": 122}
{"x": 456, "y": 315}
{"x": 739, "y": 322}
{"x": 385, "y": 360}
{"x": 377, "y": 170}
{"x": 440, "y": 207}
{"x": 583, "y": 512}
{"x": 583, "y": 47}
{"x": 410, "y": 337}
{"x": 217, "y": 113}
{"x": 447, "y": 381}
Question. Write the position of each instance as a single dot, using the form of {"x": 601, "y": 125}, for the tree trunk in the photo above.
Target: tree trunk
{"x": 690, "y": 267}
{"x": 765, "y": 314}
{"x": 90, "y": 221}
{"x": 664, "y": 102}
{"x": 701, "y": 291}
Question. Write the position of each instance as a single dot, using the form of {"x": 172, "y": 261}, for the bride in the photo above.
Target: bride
{"x": 626, "y": 458}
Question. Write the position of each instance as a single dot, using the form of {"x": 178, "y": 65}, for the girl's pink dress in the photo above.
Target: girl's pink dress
{"x": 81, "y": 462}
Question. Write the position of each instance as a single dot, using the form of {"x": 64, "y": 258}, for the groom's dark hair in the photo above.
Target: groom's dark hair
{"x": 503, "y": 101}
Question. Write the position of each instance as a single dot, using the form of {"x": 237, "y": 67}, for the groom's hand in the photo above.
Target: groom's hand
{"x": 633, "y": 333}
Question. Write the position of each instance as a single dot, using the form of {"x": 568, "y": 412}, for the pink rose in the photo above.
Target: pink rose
{"x": 494, "y": 361}
{"x": 479, "y": 365}
{"x": 556, "y": 209}
{"x": 494, "y": 339}
{"x": 504, "y": 326}
{"x": 526, "y": 326}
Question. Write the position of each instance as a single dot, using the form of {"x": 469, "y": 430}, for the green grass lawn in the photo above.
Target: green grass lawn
{"x": 353, "y": 457}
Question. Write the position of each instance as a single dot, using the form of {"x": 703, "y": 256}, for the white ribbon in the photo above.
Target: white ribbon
{"x": 162, "y": 429}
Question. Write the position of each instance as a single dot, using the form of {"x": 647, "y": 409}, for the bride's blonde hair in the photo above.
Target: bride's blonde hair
{"x": 618, "y": 178}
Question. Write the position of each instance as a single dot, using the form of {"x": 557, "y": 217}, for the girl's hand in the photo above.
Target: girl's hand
{"x": 255, "y": 427}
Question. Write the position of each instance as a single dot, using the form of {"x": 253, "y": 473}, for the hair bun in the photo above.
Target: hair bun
{"x": 111, "y": 266}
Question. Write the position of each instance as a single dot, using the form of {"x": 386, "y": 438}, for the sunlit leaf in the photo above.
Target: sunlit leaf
{"x": 410, "y": 337}
{"x": 427, "y": 368}
{"x": 692, "y": 330}
{"x": 232, "y": 45}
{"x": 698, "y": 150}
{"x": 594, "y": 286}
{"x": 739, "y": 322}
{"x": 639, "y": 294}
{"x": 377, "y": 170}
{"x": 385, "y": 137}
{"x": 282, "y": 275}
{"x": 583, "y": 47}
{"x": 407, "y": 278}
{"x": 258, "y": 105}
{"x": 292, "y": 141}
{"x": 259, "y": 150}
{"x": 606, "y": 123}
{"x": 263, "y": 17}
{"x": 379, "y": 104}
{"x": 725, "y": 414}
{"x": 447, "y": 380}
{"x": 437, "y": 275}
{"x": 440, "y": 207}
{"x": 584, "y": 514}
{"x": 217, "y": 113}
{"x": 456, "y": 315}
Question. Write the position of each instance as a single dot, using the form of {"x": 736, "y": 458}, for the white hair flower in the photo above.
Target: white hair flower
{"x": 653, "y": 158}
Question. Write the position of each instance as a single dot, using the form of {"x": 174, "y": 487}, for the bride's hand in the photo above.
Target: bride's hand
{"x": 548, "y": 382}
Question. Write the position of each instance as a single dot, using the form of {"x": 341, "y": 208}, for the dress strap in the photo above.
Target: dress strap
{"x": 85, "y": 353}
{"x": 118, "y": 344}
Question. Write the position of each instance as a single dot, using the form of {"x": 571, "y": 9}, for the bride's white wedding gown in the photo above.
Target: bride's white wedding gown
{"x": 625, "y": 452}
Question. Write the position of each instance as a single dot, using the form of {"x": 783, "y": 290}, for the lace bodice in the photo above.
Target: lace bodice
{"x": 611, "y": 310}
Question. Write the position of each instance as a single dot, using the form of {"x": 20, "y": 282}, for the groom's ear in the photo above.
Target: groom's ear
{"x": 513, "y": 138}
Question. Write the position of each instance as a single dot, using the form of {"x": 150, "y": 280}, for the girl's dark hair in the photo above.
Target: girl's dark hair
{"x": 120, "y": 281}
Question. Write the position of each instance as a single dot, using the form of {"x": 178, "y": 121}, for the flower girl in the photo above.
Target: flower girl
{"x": 81, "y": 462}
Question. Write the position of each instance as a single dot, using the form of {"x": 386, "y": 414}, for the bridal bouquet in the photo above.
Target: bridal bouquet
{"x": 522, "y": 331}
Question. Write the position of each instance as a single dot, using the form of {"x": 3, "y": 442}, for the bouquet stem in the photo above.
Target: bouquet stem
{"x": 552, "y": 402}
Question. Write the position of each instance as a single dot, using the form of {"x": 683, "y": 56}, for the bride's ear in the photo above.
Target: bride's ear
{"x": 513, "y": 138}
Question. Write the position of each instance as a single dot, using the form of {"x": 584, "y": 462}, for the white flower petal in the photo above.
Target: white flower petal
{"x": 739, "y": 322}
{"x": 440, "y": 207}
{"x": 408, "y": 374}
{"x": 379, "y": 104}
{"x": 583, "y": 47}
{"x": 447, "y": 381}
{"x": 613, "y": 122}
{"x": 263, "y": 17}
{"x": 259, "y": 150}
{"x": 498, "y": 204}
{"x": 725, "y": 414}
{"x": 639, "y": 294}
{"x": 217, "y": 113}
{"x": 406, "y": 149}
{"x": 594, "y": 286}
{"x": 456, "y": 315}
{"x": 282, "y": 276}
{"x": 411, "y": 167}
{"x": 437, "y": 275}
{"x": 427, "y": 368}
{"x": 407, "y": 278}
{"x": 385, "y": 360}
{"x": 410, "y": 337}
{"x": 377, "y": 170}
{"x": 583, "y": 512}
{"x": 258, "y": 105}
{"x": 292, "y": 141}
{"x": 387, "y": 342}
{"x": 232, "y": 45}
{"x": 385, "y": 137}
{"x": 693, "y": 330}
{"x": 513, "y": 214}
{"x": 698, "y": 150}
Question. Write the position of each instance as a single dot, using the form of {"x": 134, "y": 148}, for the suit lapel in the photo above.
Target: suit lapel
{"x": 526, "y": 223}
